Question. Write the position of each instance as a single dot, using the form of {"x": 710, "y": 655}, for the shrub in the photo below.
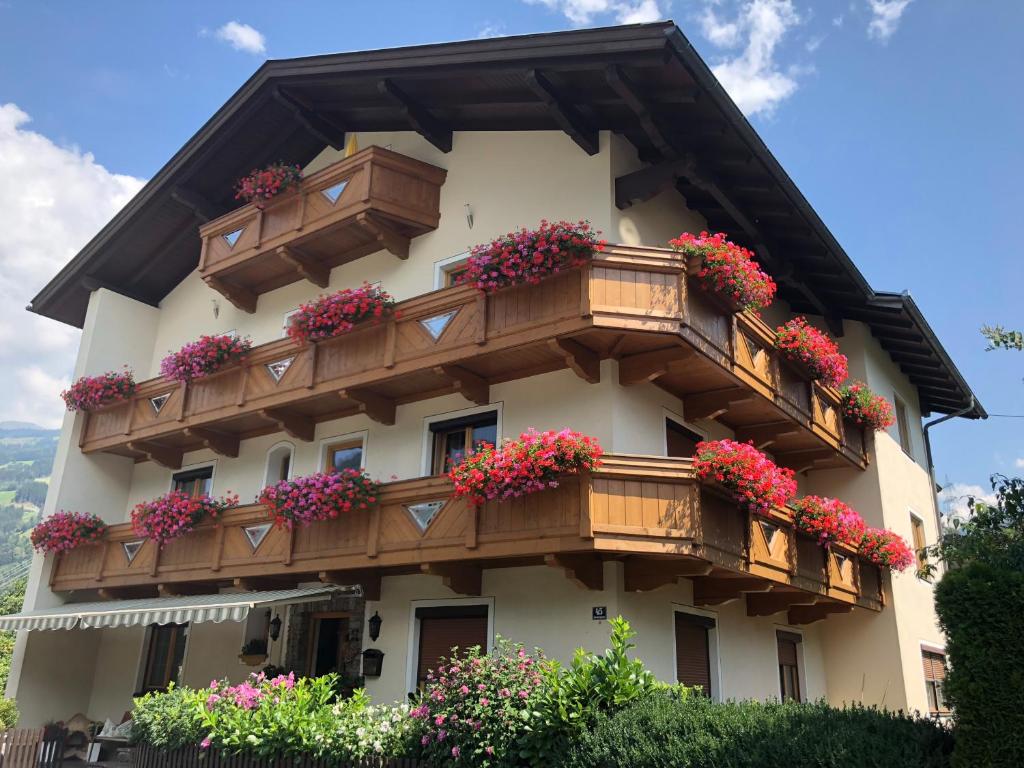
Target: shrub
{"x": 62, "y": 531}
{"x": 728, "y": 269}
{"x": 321, "y": 496}
{"x": 754, "y": 480}
{"x": 887, "y": 549}
{"x": 264, "y": 183}
{"x": 339, "y": 313}
{"x": 91, "y": 392}
{"x": 828, "y": 520}
{"x": 865, "y": 408}
{"x": 175, "y": 514}
{"x": 814, "y": 350}
{"x": 8, "y": 714}
{"x": 203, "y": 357}
{"x": 363, "y": 731}
{"x": 168, "y": 720}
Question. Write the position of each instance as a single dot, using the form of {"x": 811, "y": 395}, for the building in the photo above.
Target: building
{"x": 625, "y": 127}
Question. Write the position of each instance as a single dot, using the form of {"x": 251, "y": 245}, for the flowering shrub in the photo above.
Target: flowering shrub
{"x": 885, "y": 548}
{"x": 323, "y": 496}
{"x": 805, "y": 344}
{"x": 91, "y": 392}
{"x": 262, "y": 184}
{"x": 528, "y": 255}
{"x": 830, "y": 520}
{"x": 754, "y": 479}
{"x": 169, "y": 719}
{"x": 363, "y": 731}
{"x": 728, "y": 269}
{"x": 865, "y": 408}
{"x": 201, "y": 358}
{"x": 62, "y": 531}
{"x": 531, "y": 463}
{"x": 175, "y": 514}
{"x": 333, "y": 315}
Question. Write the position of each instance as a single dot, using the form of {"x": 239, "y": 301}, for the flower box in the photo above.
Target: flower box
{"x": 63, "y": 531}
{"x": 252, "y": 659}
{"x": 866, "y": 409}
{"x": 886, "y": 549}
{"x": 830, "y": 521}
{"x": 727, "y": 272}
{"x": 264, "y": 184}
{"x": 90, "y": 393}
{"x": 176, "y": 513}
{"x": 321, "y": 496}
{"x": 812, "y": 350}
{"x": 338, "y": 313}
{"x": 753, "y": 479}
{"x": 201, "y": 358}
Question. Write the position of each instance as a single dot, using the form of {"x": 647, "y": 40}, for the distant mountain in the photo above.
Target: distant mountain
{"x": 25, "y": 429}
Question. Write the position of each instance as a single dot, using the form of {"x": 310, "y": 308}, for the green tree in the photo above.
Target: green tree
{"x": 10, "y": 602}
{"x": 1000, "y": 338}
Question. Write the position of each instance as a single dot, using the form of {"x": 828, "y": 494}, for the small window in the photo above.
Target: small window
{"x": 454, "y": 438}
{"x": 917, "y": 529}
{"x": 934, "y": 677}
{"x": 680, "y": 441}
{"x": 279, "y": 463}
{"x": 789, "y": 667}
{"x": 165, "y": 652}
{"x": 903, "y": 425}
{"x": 446, "y": 627}
{"x": 693, "y": 651}
{"x": 195, "y": 482}
{"x": 287, "y": 321}
{"x": 345, "y": 454}
{"x": 447, "y": 271}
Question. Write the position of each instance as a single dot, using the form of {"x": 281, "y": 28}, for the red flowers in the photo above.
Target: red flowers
{"x": 754, "y": 479}
{"x": 201, "y": 358}
{"x": 529, "y": 464}
{"x": 864, "y": 407}
{"x": 62, "y": 531}
{"x": 806, "y": 345}
{"x": 887, "y": 549}
{"x": 527, "y": 256}
{"x": 830, "y": 520}
{"x": 91, "y": 392}
{"x": 175, "y": 514}
{"x": 323, "y": 496}
{"x": 728, "y": 269}
{"x": 262, "y": 184}
{"x": 338, "y": 313}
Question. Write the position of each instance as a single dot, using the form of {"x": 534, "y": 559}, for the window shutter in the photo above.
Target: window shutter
{"x": 787, "y": 651}
{"x": 934, "y": 665}
{"x": 438, "y": 635}
{"x": 693, "y": 655}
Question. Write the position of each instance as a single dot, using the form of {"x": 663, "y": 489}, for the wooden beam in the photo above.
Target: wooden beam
{"x": 318, "y": 274}
{"x": 387, "y": 237}
{"x": 223, "y": 443}
{"x": 711, "y": 405}
{"x": 714, "y": 591}
{"x": 644, "y": 574}
{"x": 178, "y": 590}
{"x": 461, "y": 578}
{"x": 379, "y": 408}
{"x": 242, "y": 298}
{"x": 563, "y": 112}
{"x": 419, "y": 117}
{"x": 808, "y": 614}
{"x": 648, "y": 366}
{"x": 768, "y": 603}
{"x": 763, "y": 435}
{"x": 803, "y": 461}
{"x": 163, "y": 455}
{"x": 583, "y": 361}
{"x": 316, "y": 124}
{"x": 368, "y": 580}
{"x": 627, "y": 90}
{"x": 646, "y": 183}
{"x": 297, "y": 425}
{"x": 201, "y": 208}
{"x": 584, "y": 570}
{"x": 471, "y": 386}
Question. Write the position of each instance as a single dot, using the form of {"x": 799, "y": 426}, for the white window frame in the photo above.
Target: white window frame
{"x": 427, "y": 458}
{"x": 897, "y": 401}
{"x": 668, "y": 415}
{"x": 285, "y": 318}
{"x": 920, "y": 519}
{"x": 291, "y": 462}
{"x": 411, "y": 656}
{"x": 931, "y": 648}
{"x": 444, "y": 266}
{"x": 714, "y": 657}
{"x": 212, "y": 463}
{"x": 801, "y": 667}
{"x": 363, "y": 435}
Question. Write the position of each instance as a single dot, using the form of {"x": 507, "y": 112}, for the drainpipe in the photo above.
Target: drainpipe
{"x": 928, "y": 451}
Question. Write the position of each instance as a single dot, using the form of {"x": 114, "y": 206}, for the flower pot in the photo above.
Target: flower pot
{"x": 252, "y": 659}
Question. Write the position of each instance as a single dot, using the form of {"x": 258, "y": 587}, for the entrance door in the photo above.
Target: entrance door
{"x": 680, "y": 442}
{"x": 327, "y": 643}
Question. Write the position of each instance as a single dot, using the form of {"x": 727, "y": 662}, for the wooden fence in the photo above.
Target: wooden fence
{"x": 32, "y": 748}
{"x": 147, "y": 756}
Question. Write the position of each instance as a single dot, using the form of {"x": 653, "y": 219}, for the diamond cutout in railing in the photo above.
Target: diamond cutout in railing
{"x": 769, "y": 531}
{"x": 277, "y": 369}
{"x": 256, "y": 534}
{"x": 435, "y": 325}
{"x": 159, "y": 401}
{"x": 334, "y": 192}
{"x": 131, "y": 549}
{"x": 232, "y": 237}
{"x": 424, "y": 513}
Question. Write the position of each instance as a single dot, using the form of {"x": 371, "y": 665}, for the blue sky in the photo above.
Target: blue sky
{"x": 899, "y": 119}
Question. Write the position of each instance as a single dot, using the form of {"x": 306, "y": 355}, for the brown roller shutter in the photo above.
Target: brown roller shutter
{"x": 439, "y": 634}
{"x": 693, "y": 652}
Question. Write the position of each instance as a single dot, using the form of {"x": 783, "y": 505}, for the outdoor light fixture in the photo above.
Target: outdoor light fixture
{"x": 373, "y": 662}
{"x": 469, "y": 215}
{"x": 275, "y": 628}
{"x": 375, "y": 622}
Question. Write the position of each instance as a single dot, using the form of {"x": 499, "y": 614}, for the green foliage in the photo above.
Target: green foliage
{"x": 363, "y": 731}
{"x": 665, "y": 730}
{"x": 169, "y": 720}
{"x": 993, "y": 534}
{"x": 8, "y": 714}
{"x": 10, "y": 602}
{"x": 1000, "y": 338}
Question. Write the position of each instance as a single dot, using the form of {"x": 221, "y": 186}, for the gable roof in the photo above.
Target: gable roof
{"x": 645, "y": 82}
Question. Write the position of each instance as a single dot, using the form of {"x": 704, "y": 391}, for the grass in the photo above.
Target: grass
{"x": 7, "y": 497}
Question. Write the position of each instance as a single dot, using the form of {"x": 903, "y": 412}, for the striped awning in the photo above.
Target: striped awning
{"x": 195, "y": 609}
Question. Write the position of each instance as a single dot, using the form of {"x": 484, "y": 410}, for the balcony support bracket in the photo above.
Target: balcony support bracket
{"x": 222, "y": 443}
{"x": 715, "y": 591}
{"x": 583, "y": 361}
{"x": 379, "y": 408}
{"x": 644, "y": 574}
{"x": 808, "y": 614}
{"x": 318, "y": 274}
{"x": 368, "y": 580}
{"x": 648, "y": 366}
{"x": 387, "y": 237}
{"x": 471, "y": 386}
{"x": 764, "y": 435}
{"x": 584, "y": 570}
{"x": 711, "y": 405}
{"x": 242, "y": 298}
{"x": 771, "y": 603}
{"x": 297, "y": 425}
{"x": 161, "y": 454}
{"x": 461, "y": 578}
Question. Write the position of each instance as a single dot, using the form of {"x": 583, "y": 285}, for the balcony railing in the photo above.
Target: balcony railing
{"x": 647, "y": 512}
{"x": 374, "y": 200}
{"x": 631, "y": 304}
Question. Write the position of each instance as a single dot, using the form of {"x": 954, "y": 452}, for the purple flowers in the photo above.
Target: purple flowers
{"x": 175, "y": 514}
{"x": 201, "y": 358}
{"x": 323, "y": 496}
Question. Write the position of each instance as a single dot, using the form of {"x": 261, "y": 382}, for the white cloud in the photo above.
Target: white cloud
{"x": 1019, "y": 463}
{"x": 582, "y": 12}
{"x": 242, "y": 37}
{"x": 54, "y": 199}
{"x": 491, "y": 30}
{"x": 953, "y": 499}
{"x": 838, "y": 20}
{"x": 885, "y": 17}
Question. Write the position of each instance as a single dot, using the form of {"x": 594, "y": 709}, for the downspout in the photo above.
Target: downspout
{"x": 931, "y": 465}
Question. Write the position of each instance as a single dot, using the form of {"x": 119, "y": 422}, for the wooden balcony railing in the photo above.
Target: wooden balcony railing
{"x": 377, "y": 199}
{"x": 647, "y": 512}
{"x": 631, "y": 304}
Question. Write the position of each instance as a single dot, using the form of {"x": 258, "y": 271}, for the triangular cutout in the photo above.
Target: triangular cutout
{"x": 277, "y": 369}
{"x": 232, "y": 237}
{"x": 159, "y": 401}
{"x": 256, "y": 534}
{"x": 334, "y": 192}
{"x": 435, "y": 325}
{"x": 840, "y": 562}
{"x": 131, "y": 549}
{"x": 424, "y": 513}
{"x": 769, "y": 530}
{"x": 753, "y": 349}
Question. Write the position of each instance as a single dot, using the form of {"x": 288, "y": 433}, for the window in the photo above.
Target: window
{"x": 287, "y": 321}
{"x": 789, "y": 667}
{"x": 917, "y": 529}
{"x": 195, "y": 482}
{"x": 452, "y": 438}
{"x": 344, "y": 454}
{"x": 447, "y": 271}
{"x": 279, "y": 463}
{"x": 328, "y": 643}
{"x": 693, "y": 650}
{"x": 680, "y": 441}
{"x": 903, "y": 425}
{"x": 934, "y": 677}
{"x": 165, "y": 652}
{"x": 442, "y": 628}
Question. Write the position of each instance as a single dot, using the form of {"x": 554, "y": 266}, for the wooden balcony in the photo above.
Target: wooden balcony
{"x": 647, "y": 512}
{"x": 631, "y": 304}
{"x": 374, "y": 200}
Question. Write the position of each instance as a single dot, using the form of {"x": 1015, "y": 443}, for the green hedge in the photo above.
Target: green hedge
{"x": 691, "y": 732}
{"x": 981, "y": 608}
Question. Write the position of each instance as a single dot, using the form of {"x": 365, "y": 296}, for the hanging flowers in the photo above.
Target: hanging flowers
{"x": 755, "y": 481}
{"x": 323, "y": 496}
{"x": 529, "y": 255}
{"x": 727, "y": 269}
{"x": 864, "y": 408}
{"x": 338, "y": 313}
{"x": 92, "y": 392}
{"x": 829, "y": 520}
{"x": 887, "y": 549}
{"x": 176, "y": 513}
{"x": 806, "y": 345}
{"x": 62, "y": 531}
{"x": 264, "y": 183}
{"x": 201, "y": 358}
{"x": 529, "y": 464}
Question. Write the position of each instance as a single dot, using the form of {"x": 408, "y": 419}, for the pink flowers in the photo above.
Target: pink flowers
{"x": 323, "y": 496}
{"x": 528, "y": 256}
{"x": 829, "y": 520}
{"x": 91, "y": 392}
{"x": 728, "y": 269}
{"x": 806, "y": 345}
{"x": 887, "y": 549}
{"x": 62, "y": 531}
{"x": 754, "y": 480}
{"x": 201, "y": 358}
{"x": 529, "y": 464}
{"x": 338, "y": 313}
{"x": 262, "y": 184}
{"x": 175, "y": 514}
{"x": 249, "y": 694}
{"x": 865, "y": 408}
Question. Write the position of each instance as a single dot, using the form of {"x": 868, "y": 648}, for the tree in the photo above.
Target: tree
{"x": 1000, "y": 338}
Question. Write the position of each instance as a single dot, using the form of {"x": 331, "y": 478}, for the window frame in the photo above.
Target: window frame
{"x": 362, "y": 437}
{"x": 413, "y": 647}
{"x": 903, "y": 435}
{"x": 427, "y": 458}
{"x": 714, "y": 657}
{"x": 668, "y": 415}
{"x": 801, "y": 676}
{"x": 149, "y": 637}
{"x": 917, "y": 524}
{"x": 444, "y": 268}
{"x": 291, "y": 461}
{"x": 285, "y": 319}
{"x": 189, "y": 468}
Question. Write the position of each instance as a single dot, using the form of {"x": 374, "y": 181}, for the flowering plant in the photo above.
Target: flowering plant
{"x": 754, "y": 479}
{"x": 201, "y": 358}
{"x": 364, "y": 731}
{"x": 885, "y": 548}
{"x": 323, "y": 496}
{"x": 338, "y": 313}
{"x": 727, "y": 269}
{"x": 830, "y": 520}
{"x": 62, "y": 531}
{"x": 91, "y": 392}
{"x": 263, "y": 183}
{"x": 175, "y": 514}
{"x": 864, "y": 407}
{"x": 803, "y": 343}
{"x": 531, "y": 463}
{"x": 528, "y": 255}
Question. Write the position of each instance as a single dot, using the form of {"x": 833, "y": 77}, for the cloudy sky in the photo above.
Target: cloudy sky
{"x": 899, "y": 119}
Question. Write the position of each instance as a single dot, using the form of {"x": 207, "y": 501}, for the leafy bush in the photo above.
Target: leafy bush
{"x": 169, "y": 720}
{"x": 8, "y": 714}
{"x": 667, "y": 730}
{"x": 363, "y": 731}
